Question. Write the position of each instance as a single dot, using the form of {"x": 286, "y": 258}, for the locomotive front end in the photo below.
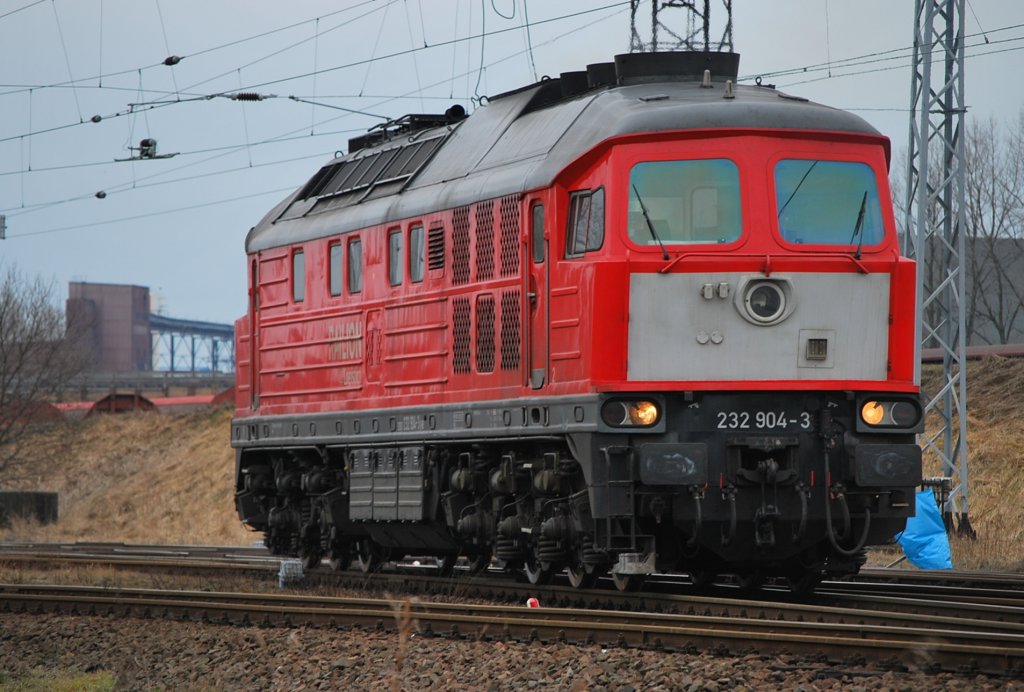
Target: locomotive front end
{"x": 768, "y": 416}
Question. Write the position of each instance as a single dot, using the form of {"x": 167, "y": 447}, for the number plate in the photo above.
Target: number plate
{"x": 768, "y": 420}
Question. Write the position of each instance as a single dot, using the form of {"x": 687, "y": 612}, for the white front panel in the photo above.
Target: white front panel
{"x": 677, "y": 332}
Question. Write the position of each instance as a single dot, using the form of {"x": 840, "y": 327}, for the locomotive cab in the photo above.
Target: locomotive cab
{"x": 769, "y": 321}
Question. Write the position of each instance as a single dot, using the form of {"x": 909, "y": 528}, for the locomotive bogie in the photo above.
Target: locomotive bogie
{"x": 637, "y": 327}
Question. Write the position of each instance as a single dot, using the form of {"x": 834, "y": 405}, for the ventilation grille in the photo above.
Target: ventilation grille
{"x": 510, "y": 330}
{"x": 460, "y": 335}
{"x": 509, "y": 212}
{"x": 435, "y": 247}
{"x": 485, "y": 333}
{"x": 484, "y": 245}
{"x": 460, "y": 246}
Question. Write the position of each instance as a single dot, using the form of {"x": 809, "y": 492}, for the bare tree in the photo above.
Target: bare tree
{"x": 38, "y": 358}
{"x": 995, "y": 212}
{"x": 993, "y": 263}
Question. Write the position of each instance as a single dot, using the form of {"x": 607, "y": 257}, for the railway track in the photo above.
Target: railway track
{"x": 883, "y": 618}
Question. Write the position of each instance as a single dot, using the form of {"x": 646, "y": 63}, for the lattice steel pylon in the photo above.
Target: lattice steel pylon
{"x": 935, "y": 231}
{"x": 698, "y": 27}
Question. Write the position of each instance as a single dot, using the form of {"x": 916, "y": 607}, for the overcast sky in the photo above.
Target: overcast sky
{"x": 178, "y": 224}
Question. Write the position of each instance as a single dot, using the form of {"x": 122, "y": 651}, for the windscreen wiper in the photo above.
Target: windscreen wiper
{"x": 858, "y": 228}
{"x": 650, "y": 226}
{"x": 796, "y": 189}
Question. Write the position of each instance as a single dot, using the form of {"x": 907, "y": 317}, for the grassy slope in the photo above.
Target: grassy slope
{"x": 169, "y": 478}
{"x": 144, "y": 478}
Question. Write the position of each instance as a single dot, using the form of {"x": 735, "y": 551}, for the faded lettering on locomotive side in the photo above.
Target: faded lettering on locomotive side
{"x": 345, "y": 341}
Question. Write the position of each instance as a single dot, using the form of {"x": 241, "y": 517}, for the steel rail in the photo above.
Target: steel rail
{"x": 836, "y": 600}
{"x": 901, "y": 647}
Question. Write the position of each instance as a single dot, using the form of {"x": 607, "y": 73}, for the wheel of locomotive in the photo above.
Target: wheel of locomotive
{"x": 536, "y": 571}
{"x": 627, "y": 582}
{"x": 339, "y": 557}
{"x": 581, "y": 574}
{"x": 804, "y": 582}
{"x": 368, "y": 557}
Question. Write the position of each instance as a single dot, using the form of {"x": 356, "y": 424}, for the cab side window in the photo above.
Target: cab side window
{"x": 586, "y": 222}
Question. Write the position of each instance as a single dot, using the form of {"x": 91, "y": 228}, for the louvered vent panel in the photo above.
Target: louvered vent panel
{"x": 509, "y": 212}
{"x": 510, "y": 330}
{"x": 460, "y": 245}
{"x": 484, "y": 245}
{"x": 460, "y": 335}
{"x": 435, "y": 247}
{"x": 485, "y": 333}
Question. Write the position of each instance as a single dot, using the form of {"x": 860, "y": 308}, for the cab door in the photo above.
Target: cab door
{"x": 537, "y": 297}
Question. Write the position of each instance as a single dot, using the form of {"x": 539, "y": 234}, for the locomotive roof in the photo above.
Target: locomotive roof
{"x": 521, "y": 141}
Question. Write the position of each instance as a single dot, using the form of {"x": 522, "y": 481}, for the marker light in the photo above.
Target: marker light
{"x": 896, "y": 414}
{"x": 872, "y": 412}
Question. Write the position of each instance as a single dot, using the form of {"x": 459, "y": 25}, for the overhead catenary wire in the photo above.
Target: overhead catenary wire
{"x": 288, "y": 136}
{"x": 901, "y": 67}
{"x": 529, "y": 39}
{"x": 483, "y": 42}
{"x": 100, "y": 76}
{"x": 67, "y": 59}
{"x": 147, "y": 215}
{"x": 21, "y": 9}
{"x": 167, "y": 45}
{"x": 901, "y": 53}
{"x": 161, "y": 103}
{"x": 415, "y": 58}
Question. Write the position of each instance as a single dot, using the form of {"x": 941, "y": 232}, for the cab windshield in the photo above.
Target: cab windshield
{"x": 684, "y": 202}
{"x": 827, "y": 203}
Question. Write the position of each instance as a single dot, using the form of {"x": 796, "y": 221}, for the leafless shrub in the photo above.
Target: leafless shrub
{"x": 39, "y": 356}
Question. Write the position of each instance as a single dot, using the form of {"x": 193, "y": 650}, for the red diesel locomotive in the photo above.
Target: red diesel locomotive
{"x": 635, "y": 318}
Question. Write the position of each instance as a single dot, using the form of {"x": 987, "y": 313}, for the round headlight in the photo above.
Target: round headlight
{"x": 622, "y": 414}
{"x": 642, "y": 412}
{"x": 765, "y": 301}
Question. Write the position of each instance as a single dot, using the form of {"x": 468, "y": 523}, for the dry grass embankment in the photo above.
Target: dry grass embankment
{"x": 137, "y": 478}
{"x": 154, "y": 478}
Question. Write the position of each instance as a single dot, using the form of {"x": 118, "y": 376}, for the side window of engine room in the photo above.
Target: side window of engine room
{"x": 298, "y": 276}
{"x": 395, "y": 268}
{"x": 586, "y": 222}
{"x": 355, "y": 265}
{"x": 417, "y": 251}
{"x": 684, "y": 202}
{"x": 334, "y": 269}
{"x": 828, "y": 203}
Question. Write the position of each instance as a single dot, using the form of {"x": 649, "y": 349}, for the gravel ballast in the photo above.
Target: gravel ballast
{"x": 164, "y": 654}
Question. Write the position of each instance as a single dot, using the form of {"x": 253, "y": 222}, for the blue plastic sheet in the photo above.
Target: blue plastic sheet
{"x": 924, "y": 541}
